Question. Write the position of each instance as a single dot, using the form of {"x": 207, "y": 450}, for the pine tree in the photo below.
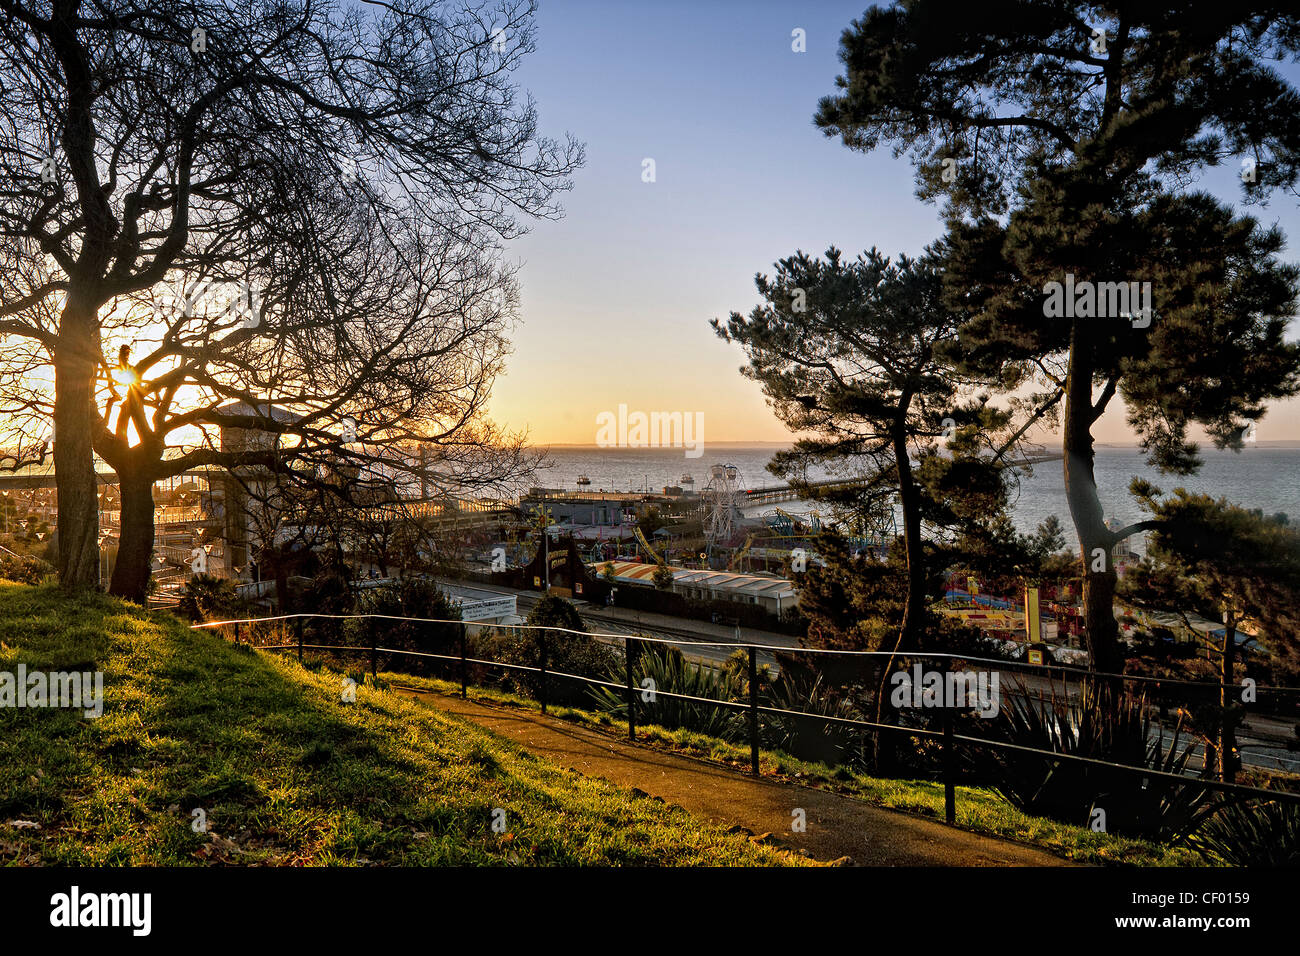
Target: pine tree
{"x": 1062, "y": 138}
{"x": 852, "y": 355}
{"x": 1227, "y": 564}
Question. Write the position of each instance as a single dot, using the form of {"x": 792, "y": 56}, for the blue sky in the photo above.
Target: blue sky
{"x": 618, "y": 295}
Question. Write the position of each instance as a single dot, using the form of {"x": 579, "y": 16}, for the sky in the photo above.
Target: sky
{"x": 617, "y": 296}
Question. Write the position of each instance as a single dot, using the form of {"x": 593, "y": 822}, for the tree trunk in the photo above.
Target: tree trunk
{"x": 1227, "y": 733}
{"x": 75, "y": 361}
{"x": 914, "y": 610}
{"x": 1095, "y": 540}
{"x": 909, "y": 498}
{"x": 282, "y": 585}
{"x": 135, "y": 552}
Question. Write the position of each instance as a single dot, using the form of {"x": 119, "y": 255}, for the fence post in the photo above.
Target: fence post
{"x": 464, "y": 671}
{"x": 236, "y": 632}
{"x": 297, "y": 626}
{"x": 753, "y": 710}
{"x": 541, "y": 643}
{"x": 628, "y": 650}
{"x": 949, "y": 791}
{"x": 374, "y": 646}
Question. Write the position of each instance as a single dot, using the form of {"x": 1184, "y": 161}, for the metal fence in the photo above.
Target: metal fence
{"x": 950, "y": 740}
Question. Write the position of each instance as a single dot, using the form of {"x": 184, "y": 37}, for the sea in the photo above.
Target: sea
{"x": 1259, "y": 476}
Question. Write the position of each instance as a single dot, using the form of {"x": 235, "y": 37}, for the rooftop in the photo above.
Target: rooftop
{"x": 756, "y": 584}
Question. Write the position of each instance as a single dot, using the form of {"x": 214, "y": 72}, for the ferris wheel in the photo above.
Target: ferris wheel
{"x": 721, "y": 497}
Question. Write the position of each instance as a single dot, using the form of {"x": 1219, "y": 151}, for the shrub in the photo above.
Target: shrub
{"x": 330, "y": 592}
{"x": 569, "y": 653}
{"x": 812, "y": 738}
{"x": 672, "y": 673}
{"x": 1121, "y": 732}
{"x": 413, "y": 597}
{"x": 208, "y": 598}
{"x": 25, "y": 568}
{"x": 1240, "y": 834}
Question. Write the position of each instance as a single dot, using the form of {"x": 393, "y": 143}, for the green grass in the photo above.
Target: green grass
{"x": 286, "y": 773}
{"x": 979, "y": 809}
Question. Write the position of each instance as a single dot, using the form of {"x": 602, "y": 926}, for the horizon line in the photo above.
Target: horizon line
{"x": 1272, "y": 442}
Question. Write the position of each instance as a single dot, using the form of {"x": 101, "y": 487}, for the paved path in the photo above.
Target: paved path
{"x": 837, "y": 826}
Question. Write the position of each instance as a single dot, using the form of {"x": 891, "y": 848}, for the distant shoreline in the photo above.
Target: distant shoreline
{"x": 1205, "y": 446}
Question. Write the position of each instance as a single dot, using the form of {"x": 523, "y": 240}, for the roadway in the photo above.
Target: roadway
{"x": 697, "y": 634}
{"x": 1263, "y": 739}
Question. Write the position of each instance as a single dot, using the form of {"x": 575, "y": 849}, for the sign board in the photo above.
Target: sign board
{"x": 1033, "y": 619}
{"x": 1035, "y": 656}
{"x": 991, "y": 618}
{"x": 486, "y": 610}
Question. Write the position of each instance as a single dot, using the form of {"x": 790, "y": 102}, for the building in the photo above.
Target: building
{"x": 239, "y": 487}
{"x": 769, "y": 592}
{"x": 585, "y": 507}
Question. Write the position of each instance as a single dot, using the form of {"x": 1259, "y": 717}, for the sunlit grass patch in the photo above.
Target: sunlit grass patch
{"x": 280, "y": 769}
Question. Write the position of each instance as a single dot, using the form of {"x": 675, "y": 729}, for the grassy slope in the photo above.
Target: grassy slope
{"x": 979, "y": 809}
{"x": 286, "y": 773}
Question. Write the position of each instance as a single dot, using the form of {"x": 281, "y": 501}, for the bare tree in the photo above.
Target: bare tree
{"x": 254, "y": 144}
{"x": 370, "y": 379}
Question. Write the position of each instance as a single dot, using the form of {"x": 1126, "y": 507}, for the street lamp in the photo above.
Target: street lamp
{"x": 543, "y": 514}
{"x": 102, "y": 538}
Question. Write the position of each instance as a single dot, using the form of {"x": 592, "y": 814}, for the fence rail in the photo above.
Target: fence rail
{"x": 631, "y": 644}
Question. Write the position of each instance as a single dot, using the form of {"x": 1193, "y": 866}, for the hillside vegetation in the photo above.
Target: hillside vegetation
{"x": 280, "y": 768}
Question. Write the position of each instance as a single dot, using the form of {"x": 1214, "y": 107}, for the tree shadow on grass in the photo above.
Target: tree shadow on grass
{"x": 283, "y": 771}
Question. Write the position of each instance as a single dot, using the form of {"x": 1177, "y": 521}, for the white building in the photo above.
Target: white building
{"x": 771, "y": 593}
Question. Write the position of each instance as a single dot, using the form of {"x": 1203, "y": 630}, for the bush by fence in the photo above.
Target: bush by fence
{"x": 24, "y": 568}
{"x": 570, "y": 652}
